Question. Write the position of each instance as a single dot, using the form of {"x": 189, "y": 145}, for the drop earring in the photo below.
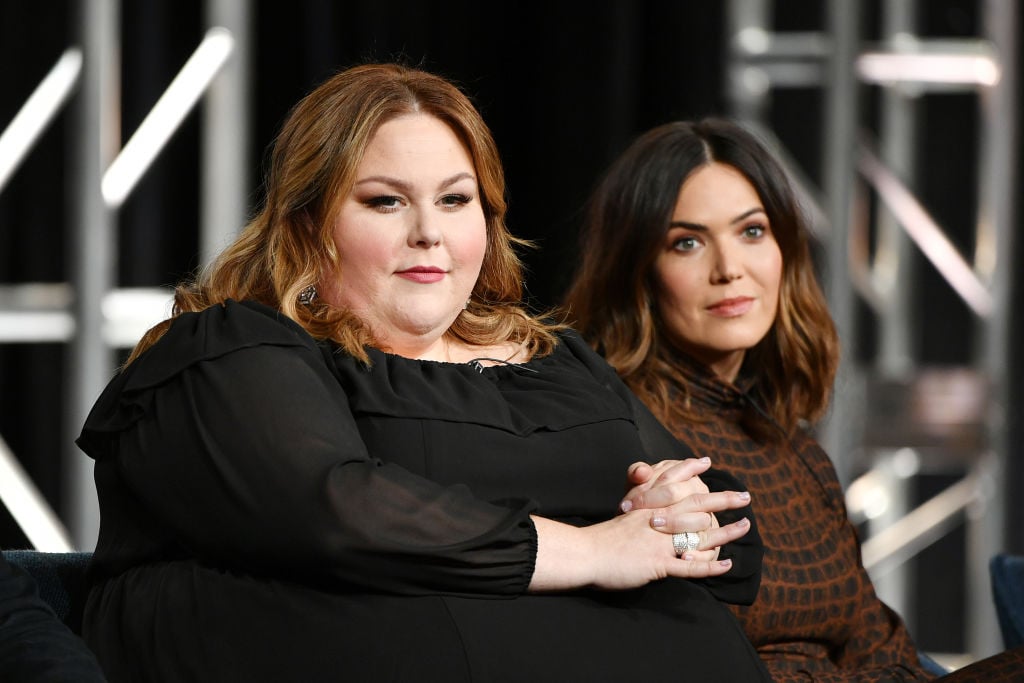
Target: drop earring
{"x": 307, "y": 295}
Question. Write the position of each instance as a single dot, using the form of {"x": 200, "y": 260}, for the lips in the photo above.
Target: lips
{"x": 422, "y": 274}
{"x": 730, "y": 308}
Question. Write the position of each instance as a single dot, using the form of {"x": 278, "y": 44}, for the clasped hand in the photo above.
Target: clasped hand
{"x": 677, "y": 500}
{"x": 627, "y": 551}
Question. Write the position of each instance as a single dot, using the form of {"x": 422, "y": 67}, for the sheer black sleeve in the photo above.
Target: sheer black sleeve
{"x": 250, "y": 457}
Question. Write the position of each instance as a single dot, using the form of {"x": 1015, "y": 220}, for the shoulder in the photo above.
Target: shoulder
{"x": 212, "y": 333}
{"x": 245, "y": 337}
{"x": 570, "y": 343}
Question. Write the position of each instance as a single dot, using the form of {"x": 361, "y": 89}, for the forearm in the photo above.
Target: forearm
{"x": 618, "y": 554}
{"x": 296, "y": 491}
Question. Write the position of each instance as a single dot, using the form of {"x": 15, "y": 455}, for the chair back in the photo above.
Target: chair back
{"x": 61, "y": 578}
{"x": 1007, "y": 573}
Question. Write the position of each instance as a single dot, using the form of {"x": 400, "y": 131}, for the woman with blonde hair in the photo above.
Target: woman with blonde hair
{"x": 351, "y": 453}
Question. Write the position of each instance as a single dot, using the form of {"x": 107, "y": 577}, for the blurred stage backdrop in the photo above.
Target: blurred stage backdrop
{"x": 897, "y": 119}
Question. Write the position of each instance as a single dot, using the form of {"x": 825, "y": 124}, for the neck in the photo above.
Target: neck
{"x": 427, "y": 347}
{"x": 724, "y": 366}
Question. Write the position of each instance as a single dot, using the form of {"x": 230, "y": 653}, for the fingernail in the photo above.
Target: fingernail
{"x": 705, "y": 460}
{"x": 725, "y": 563}
{"x": 744, "y": 522}
{"x": 688, "y": 557}
{"x": 626, "y": 505}
{"x": 744, "y": 495}
{"x": 657, "y": 521}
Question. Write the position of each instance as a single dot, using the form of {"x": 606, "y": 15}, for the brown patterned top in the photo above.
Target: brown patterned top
{"x": 816, "y": 617}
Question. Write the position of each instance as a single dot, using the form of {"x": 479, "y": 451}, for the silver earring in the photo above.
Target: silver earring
{"x": 466, "y": 305}
{"x": 307, "y": 295}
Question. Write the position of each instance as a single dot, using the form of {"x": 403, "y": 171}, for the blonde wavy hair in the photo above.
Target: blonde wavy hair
{"x": 288, "y": 246}
{"x": 612, "y": 298}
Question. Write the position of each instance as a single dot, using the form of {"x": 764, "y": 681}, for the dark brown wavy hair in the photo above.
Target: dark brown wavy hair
{"x": 288, "y": 245}
{"x": 612, "y": 298}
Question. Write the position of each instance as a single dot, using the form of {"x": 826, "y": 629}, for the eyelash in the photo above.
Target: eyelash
{"x": 761, "y": 229}
{"x": 456, "y": 200}
{"x": 389, "y": 203}
{"x": 385, "y": 203}
{"x": 676, "y": 244}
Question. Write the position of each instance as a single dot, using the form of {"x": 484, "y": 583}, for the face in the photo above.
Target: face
{"x": 410, "y": 236}
{"x": 719, "y": 270}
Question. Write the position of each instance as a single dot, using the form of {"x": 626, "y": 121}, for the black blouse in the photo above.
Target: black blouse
{"x": 240, "y": 462}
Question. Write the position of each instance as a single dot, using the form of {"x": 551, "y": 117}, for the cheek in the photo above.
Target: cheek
{"x": 471, "y": 246}
{"x": 773, "y": 281}
{"x": 675, "y": 302}
{"x": 676, "y": 291}
{"x": 362, "y": 256}
{"x": 362, "y": 247}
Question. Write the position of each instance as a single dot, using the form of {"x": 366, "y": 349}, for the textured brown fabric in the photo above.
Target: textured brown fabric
{"x": 816, "y": 617}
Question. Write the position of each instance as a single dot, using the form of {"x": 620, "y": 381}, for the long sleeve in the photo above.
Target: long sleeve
{"x": 879, "y": 648}
{"x": 816, "y": 617}
{"x": 249, "y": 458}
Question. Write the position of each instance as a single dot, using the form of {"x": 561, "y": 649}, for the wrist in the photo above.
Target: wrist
{"x": 565, "y": 556}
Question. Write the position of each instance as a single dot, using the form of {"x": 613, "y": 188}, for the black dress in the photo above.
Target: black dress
{"x": 274, "y": 510}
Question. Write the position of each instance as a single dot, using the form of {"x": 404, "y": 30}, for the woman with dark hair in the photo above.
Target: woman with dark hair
{"x": 351, "y": 454}
{"x": 697, "y": 285}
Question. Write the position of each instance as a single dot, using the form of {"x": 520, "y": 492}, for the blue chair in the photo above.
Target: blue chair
{"x": 930, "y": 665}
{"x": 1007, "y": 574}
{"x": 61, "y": 579}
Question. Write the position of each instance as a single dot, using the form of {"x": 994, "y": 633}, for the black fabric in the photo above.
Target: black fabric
{"x": 35, "y": 647}
{"x": 273, "y": 509}
{"x": 60, "y": 579}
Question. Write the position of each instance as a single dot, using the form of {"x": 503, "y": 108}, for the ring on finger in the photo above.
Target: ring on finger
{"x": 687, "y": 540}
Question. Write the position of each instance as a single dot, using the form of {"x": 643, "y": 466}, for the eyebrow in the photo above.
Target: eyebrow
{"x": 697, "y": 226}
{"x": 407, "y": 187}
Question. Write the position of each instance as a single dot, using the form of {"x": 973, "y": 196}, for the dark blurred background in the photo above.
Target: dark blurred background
{"x": 564, "y": 85}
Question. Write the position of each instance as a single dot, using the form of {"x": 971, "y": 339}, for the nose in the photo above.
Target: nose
{"x": 727, "y": 266}
{"x": 425, "y": 231}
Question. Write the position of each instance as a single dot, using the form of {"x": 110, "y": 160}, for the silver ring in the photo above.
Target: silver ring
{"x": 688, "y": 540}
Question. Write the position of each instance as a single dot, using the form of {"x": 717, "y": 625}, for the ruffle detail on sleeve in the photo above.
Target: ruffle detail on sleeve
{"x": 192, "y": 338}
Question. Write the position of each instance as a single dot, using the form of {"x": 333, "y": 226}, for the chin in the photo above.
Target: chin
{"x": 426, "y": 325}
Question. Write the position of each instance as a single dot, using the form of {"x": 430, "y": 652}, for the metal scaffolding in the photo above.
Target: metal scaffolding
{"x": 89, "y": 312}
{"x": 893, "y": 417}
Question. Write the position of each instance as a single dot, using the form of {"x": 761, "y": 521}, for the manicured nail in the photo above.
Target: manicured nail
{"x": 725, "y": 563}
{"x": 705, "y": 460}
{"x": 657, "y": 521}
{"x": 688, "y": 557}
{"x": 626, "y": 505}
{"x": 744, "y": 495}
{"x": 743, "y": 523}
